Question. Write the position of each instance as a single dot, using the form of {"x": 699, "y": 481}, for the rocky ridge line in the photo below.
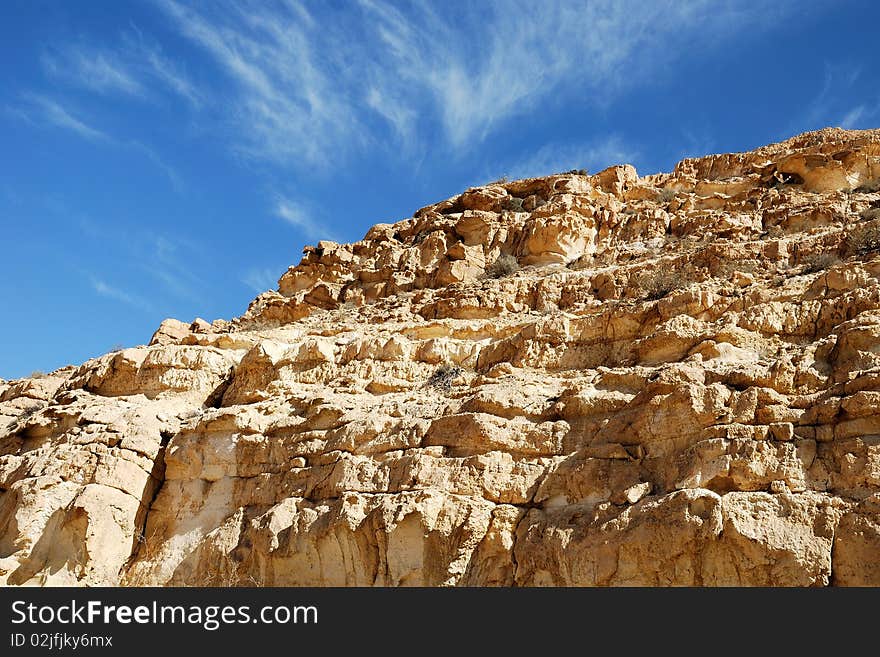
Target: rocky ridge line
{"x": 568, "y": 380}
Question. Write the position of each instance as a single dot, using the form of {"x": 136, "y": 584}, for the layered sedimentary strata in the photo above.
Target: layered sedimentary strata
{"x": 571, "y": 380}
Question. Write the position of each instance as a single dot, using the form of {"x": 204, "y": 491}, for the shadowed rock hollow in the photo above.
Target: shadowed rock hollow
{"x": 569, "y": 380}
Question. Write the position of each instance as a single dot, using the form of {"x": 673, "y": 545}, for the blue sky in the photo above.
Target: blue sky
{"x": 169, "y": 158}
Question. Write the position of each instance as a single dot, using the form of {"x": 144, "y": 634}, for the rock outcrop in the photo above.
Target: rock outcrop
{"x": 571, "y": 380}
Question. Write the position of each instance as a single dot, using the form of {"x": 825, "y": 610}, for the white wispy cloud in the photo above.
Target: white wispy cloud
{"x": 91, "y": 69}
{"x": 853, "y": 117}
{"x": 165, "y": 70}
{"x": 519, "y": 55}
{"x": 291, "y": 103}
{"x": 148, "y": 152}
{"x": 831, "y": 104}
{"x": 259, "y": 280}
{"x": 861, "y": 117}
{"x": 118, "y": 294}
{"x": 147, "y": 58}
{"x": 130, "y": 68}
{"x": 559, "y": 158}
{"x": 38, "y": 109}
{"x": 166, "y": 260}
{"x": 296, "y": 215}
{"x": 54, "y": 113}
{"x": 308, "y": 91}
{"x": 175, "y": 264}
{"x": 401, "y": 118}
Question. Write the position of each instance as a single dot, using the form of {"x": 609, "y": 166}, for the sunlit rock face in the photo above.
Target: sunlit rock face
{"x": 573, "y": 380}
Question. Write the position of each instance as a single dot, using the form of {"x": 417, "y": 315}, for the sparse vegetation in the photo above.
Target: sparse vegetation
{"x": 29, "y": 413}
{"x": 727, "y": 268}
{"x": 817, "y": 262}
{"x": 116, "y": 347}
{"x": 660, "y": 281}
{"x": 578, "y": 172}
{"x": 513, "y": 204}
{"x": 667, "y": 194}
{"x": 145, "y": 546}
{"x": 580, "y": 263}
{"x": 37, "y": 374}
{"x": 229, "y": 574}
{"x": 503, "y": 266}
{"x": 863, "y": 239}
{"x": 870, "y": 214}
{"x": 868, "y": 187}
{"x": 444, "y": 375}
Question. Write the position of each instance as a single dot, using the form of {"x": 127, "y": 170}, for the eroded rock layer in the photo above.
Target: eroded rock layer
{"x": 571, "y": 380}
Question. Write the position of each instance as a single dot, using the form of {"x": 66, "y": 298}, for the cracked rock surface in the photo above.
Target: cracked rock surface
{"x": 563, "y": 381}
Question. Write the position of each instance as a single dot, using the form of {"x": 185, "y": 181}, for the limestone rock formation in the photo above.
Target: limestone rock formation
{"x": 571, "y": 380}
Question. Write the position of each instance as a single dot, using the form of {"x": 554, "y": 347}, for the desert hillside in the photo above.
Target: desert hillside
{"x": 570, "y": 380}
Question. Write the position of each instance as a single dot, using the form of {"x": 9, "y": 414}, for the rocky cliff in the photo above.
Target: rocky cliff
{"x": 571, "y": 380}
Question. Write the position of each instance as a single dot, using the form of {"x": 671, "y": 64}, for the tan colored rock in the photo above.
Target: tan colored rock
{"x": 773, "y": 540}
{"x": 657, "y": 542}
{"x": 170, "y": 331}
{"x": 856, "y": 543}
{"x": 678, "y": 383}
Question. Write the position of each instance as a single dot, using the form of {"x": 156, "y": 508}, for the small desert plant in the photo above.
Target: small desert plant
{"x": 667, "y": 195}
{"x": 513, "y": 204}
{"x": 727, "y": 268}
{"x": 228, "y": 574}
{"x": 144, "y": 545}
{"x": 580, "y": 263}
{"x": 444, "y": 375}
{"x": 37, "y": 374}
{"x": 578, "y": 172}
{"x": 870, "y": 214}
{"x": 659, "y": 282}
{"x": 505, "y": 265}
{"x": 863, "y": 239}
{"x": 817, "y": 262}
{"x": 28, "y": 413}
{"x": 868, "y": 187}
